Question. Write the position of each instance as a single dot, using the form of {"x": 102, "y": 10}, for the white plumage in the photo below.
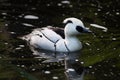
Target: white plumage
{"x": 58, "y": 39}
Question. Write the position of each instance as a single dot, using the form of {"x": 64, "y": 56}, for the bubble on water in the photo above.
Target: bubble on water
{"x": 70, "y": 69}
{"x": 111, "y": 73}
{"x": 31, "y": 17}
{"x": 47, "y": 72}
{"x": 26, "y": 24}
{"x": 82, "y": 62}
{"x": 33, "y": 69}
{"x": 65, "y": 2}
{"x": 22, "y": 56}
{"x": 22, "y": 65}
{"x": 96, "y": 13}
{"x": 47, "y": 65}
{"x": 93, "y": 72}
{"x": 70, "y": 6}
{"x": 18, "y": 65}
{"x": 105, "y": 75}
{"x": 101, "y": 36}
{"x": 4, "y": 13}
{"x": 48, "y": 5}
{"x": 117, "y": 13}
{"x": 6, "y": 24}
{"x": 107, "y": 12}
{"x": 114, "y": 48}
{"x": 114, "y": 66}
{"x": 33, "y": 8}
{"x": 114, "y": 39}
{"x": 76, "y": 60}
{"x": 21, "y": 45}
{"x": 59, "y": 4}
{"x": 18, "y": 48}
{"x": 98, "y": 49}
{"x": 119, "y": 55}
{"x": 12, "y": 33}
{"x": 6, "y": 43}
{"x": 55, "y": 77}
{"x": 90, "y": 66}
{"x": 87, "y": 43}
{"x": 0, "y": 57}
{"x": 90, "y": 49}
{"x": 99, "y": 9}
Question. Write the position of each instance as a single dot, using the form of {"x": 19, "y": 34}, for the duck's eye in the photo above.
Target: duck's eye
{"x": 79, "y": 28}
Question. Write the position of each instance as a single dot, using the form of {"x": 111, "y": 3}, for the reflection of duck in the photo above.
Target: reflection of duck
{"x": 58, "y": 39}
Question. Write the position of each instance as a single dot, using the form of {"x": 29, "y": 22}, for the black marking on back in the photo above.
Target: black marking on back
{"x": 59, "y": 31}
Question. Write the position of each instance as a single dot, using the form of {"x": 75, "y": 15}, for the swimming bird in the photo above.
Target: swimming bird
{"x": 58, "y": 39}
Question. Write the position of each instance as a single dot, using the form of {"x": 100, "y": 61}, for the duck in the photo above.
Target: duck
{"x": 58, "y": 39}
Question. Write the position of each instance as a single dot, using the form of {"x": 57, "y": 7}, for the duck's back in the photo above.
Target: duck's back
{"x": 51, "y": 33}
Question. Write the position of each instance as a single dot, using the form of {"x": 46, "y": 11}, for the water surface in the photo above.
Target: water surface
{"x": 100, "y": 51}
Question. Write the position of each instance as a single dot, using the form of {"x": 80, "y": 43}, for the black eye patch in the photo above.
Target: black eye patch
{"x": 79, "y": 28}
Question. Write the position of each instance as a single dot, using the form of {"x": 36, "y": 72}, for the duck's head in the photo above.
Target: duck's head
{"x": 74, "y": 26}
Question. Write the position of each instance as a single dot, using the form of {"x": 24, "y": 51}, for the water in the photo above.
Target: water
{"x": 99, "y": 56}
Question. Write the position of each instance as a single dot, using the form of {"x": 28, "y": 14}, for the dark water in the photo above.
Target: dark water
{"x": 101, "y": 53}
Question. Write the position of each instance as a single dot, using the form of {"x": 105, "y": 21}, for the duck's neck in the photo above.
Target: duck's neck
{"x": 71, "y": 39}
{"x": 73, "y": 43}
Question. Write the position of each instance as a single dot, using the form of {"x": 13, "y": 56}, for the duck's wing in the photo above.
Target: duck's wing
{"x": 59, "y": 31}
{"x": 50, "y": 33}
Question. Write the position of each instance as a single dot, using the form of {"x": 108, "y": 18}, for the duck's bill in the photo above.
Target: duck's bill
{"x": 86, "y": 30}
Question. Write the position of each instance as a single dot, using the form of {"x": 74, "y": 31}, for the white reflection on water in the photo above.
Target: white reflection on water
{"x": 31, "y": 17}
{"x": 99, "y": 26}
{"x": 73, "y": 67}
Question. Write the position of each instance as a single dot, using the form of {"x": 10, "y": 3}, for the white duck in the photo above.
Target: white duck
{"x": 58, "y": 39}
